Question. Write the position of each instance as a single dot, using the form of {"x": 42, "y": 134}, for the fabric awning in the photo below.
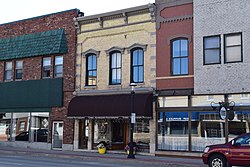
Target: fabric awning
{"x": 110, "y": 106}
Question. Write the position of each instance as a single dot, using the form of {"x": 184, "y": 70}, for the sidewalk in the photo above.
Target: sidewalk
{"x": 182, "y": 162}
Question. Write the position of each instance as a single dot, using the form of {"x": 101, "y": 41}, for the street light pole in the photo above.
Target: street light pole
{"x": 132, "y": 121}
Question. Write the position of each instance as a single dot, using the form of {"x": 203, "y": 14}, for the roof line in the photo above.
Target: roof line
{"x": 39, "y": 16}
{"x": 126, "y": 10}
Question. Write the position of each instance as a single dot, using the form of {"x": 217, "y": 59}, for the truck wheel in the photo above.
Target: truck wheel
{"x": 218, "y": 161}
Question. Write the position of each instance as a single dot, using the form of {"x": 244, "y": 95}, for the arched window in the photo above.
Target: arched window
{"x": 91, "y": 70}
{"x": 179, "y": 55}
{"x": 137, "y": 65}
{"x": 115, "y": 68}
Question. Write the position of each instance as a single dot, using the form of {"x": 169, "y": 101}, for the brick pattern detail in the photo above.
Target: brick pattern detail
{"x": 32, "y": 66}
{"x": 168, "y": 31}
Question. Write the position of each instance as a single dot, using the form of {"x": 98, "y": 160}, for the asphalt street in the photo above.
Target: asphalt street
{"x": 15, "y": 157}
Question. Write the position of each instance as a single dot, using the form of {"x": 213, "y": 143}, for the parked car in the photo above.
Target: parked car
{"x": 236, "y": 152}
{"x": 40, "y": 135}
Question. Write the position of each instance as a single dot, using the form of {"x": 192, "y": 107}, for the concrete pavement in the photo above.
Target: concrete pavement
{"x": 110, "y": 155}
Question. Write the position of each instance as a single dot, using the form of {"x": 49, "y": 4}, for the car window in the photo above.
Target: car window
{"x": 244, "y": 140}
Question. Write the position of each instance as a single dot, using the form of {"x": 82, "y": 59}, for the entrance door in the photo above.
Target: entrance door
{"x": 83, "y": 134}
{"x": 57, "y": 135}
{"x": 118, "y": 135}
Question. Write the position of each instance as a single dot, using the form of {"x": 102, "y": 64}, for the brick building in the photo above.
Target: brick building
{"x": 174, "y": 75}
{"x": 115, "y": 49}
{"x": 221, "y": 66}
{"x": 37, "y": 69}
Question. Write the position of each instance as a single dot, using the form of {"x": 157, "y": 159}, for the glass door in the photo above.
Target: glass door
{"x": 83, "y": 134}
{"x": 57, "y": 135}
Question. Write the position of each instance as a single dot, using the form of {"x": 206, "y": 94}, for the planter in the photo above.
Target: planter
{"x": 102, "y": 150}
{"x": 133, "y": 151}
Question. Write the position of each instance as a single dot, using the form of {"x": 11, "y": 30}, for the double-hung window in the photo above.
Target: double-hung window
{"x": 8, "y": 71}
{"x": 179, "y": 56}
{"x": 115, "y": 68}
{"x": 91, "y": 70}
{"x": 58, "y": 68}
{"x": 46, "y": 67}
{"x": 137, "y": 65}
{"x": 19, "y": 70}
{"x": 233, "y": 48}
{"x": 211, "y": 50}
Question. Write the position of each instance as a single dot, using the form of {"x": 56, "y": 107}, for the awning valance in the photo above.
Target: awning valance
{"x": 110, "y": 106}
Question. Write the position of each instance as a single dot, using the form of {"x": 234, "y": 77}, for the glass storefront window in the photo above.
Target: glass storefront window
{"x": 27, "y": 126}
{"x": 209, "y": 130}
{"x": 173, "y": 131}
{"x": 39, "y": 127}
{"x": 141, "y": 134}
{"x": 102, "y": 131}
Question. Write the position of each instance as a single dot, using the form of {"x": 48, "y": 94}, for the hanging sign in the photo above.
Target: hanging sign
{"x": 223, "y": 113}
{"x": 132, "y": 118}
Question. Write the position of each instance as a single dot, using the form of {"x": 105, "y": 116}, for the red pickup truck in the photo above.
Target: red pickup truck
{"x": 236, "y": 152}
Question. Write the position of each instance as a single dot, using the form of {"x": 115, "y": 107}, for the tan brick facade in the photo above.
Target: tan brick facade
{"x": 116, "y": 33}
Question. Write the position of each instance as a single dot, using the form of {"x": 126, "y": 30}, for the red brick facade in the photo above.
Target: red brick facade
{"x": 32, "y": 66}
{"x": 173, "y": 22}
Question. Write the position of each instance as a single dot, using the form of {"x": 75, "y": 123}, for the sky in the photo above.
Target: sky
{"x": 13, "y": 10}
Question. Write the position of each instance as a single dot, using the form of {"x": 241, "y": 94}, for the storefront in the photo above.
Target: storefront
{"x": 189, "y": 123}
{"x": 107, "y": 118}
{"x": 25, "y": 111}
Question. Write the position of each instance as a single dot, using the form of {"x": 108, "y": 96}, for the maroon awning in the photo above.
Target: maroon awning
{"x": 110, "y": 106}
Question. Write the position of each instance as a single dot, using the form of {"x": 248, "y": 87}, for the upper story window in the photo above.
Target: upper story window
{"x": 233, "y": 48}
{"x": 58, "y": 68}
{"x": 91, "y": 71}
{"x": 115, "y": 68}
{"x": 46, "y": 67}
{"x": 211, "y": 50}
{"x": 18, "y": 70}
{"x": 137, "y": 65}
{"x": 8, "y": 71}
{"x": 179, "y": 48}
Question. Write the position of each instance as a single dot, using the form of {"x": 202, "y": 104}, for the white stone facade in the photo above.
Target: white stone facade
{"x": 220, "y": 17}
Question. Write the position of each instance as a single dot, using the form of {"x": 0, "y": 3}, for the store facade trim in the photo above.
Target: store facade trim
{"x": 110, "y": 106}
{"x": 44, "y": 93}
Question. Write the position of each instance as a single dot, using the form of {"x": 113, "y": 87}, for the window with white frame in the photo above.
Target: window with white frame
{"x": 46, "y": 67}
{"x": 211, "y": 50}
{"x": 137, "y": 65}
{"x": 58, "y": 68}
{"x": 8, "y": 71}
{"x": 233, "y": 48}
{"x": 19, "y": 70}
{"x": 91, "y": 71}
{"x": 179, "y": 54}
{"x": 115, "y": 68}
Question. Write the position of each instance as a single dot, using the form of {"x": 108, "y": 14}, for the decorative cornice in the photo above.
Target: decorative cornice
{"x": 162, "y": 4}
{"x": 77, "y": 25}
{"x": 176, "y": 19}
{"x": 97, "y": 53}
{"x": 115, "y": 48}
{"x": 137, "y": 45}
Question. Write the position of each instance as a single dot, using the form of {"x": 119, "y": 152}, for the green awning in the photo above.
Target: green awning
{"x": 31, "y": 45}
{"x": 32, "y": 95}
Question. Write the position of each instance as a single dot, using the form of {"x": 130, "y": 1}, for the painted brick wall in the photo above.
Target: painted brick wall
{"x": 174, "y": 22}
{"x": 218, "y": 17}
{"x": 32, "y": 66}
